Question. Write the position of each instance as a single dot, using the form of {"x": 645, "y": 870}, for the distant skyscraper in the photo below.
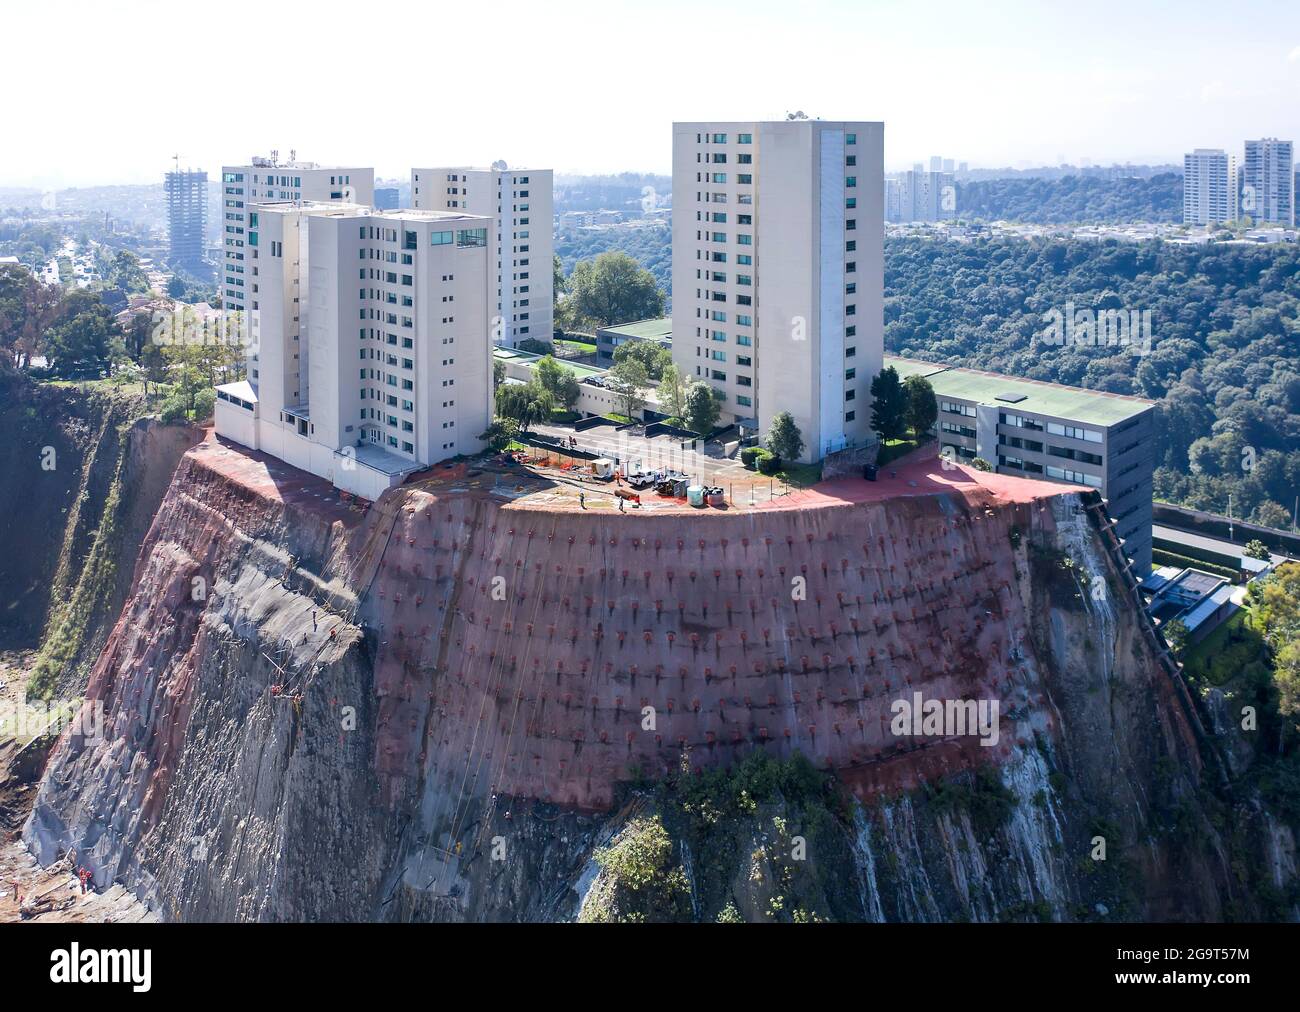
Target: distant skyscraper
{"x": 187, "y": 216}
{"x": 893, "y": 199}
{"x": 1268, "y": 181}
{"x": 1209, "y": 187}
{"x": 926, "y": 196}
{"x": 386, "y": 198}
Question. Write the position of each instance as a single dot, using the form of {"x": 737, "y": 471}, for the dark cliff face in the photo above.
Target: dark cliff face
{"x": 350, "y": 719}
{"x": 81, "y": 477}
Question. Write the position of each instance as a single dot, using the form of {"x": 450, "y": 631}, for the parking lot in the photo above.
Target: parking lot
{"x": 742, "y": 485}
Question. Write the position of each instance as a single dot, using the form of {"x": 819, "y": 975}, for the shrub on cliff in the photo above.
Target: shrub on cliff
{"x": 640, "y": 881}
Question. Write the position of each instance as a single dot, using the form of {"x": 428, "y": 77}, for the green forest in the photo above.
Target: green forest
{"x": 1081, "y": 200}
{"x": 651, "y": 247}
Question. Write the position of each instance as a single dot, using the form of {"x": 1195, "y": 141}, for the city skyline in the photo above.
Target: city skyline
{"x": 1107, "y": 103}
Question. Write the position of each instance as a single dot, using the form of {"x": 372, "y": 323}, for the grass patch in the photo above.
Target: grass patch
{"x": 800, "y": 475}
{"x": 892, "y": 449}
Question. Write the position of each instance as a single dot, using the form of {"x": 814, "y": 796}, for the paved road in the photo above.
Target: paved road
{"x": 1219, "y": 545}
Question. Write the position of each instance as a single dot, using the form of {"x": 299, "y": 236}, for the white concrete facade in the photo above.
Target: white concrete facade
{"x": 375, "y": 354}
{"x": 778, "y": 271}
{"x": 1209, "y": 187}
{"x": 1268, "y": 181}
{"x": 522, "y": 202}
{"x": 263, "y": 181}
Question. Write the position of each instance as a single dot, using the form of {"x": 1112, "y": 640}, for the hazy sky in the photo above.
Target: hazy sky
{"x": 100, "y": 92}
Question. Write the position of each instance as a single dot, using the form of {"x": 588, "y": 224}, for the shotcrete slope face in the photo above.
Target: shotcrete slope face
{"x": 470, "y": 647}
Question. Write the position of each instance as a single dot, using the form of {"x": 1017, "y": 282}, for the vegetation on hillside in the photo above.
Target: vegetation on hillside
{"x": 175, "y": 360}
{"x": 1073, "y": 199}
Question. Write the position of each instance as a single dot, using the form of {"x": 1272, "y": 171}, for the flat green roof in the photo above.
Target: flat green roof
{"x": 643, "y": 330}
{"x": 906, "y": 367}
{"x": 529, "y": 360}
{"x": 1033, "y": 396}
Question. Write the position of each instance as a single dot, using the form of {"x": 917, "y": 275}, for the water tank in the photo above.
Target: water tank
{"x": 695, "y": 495}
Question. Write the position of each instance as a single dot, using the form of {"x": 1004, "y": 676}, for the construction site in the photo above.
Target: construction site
{"x": 340, "y": 705}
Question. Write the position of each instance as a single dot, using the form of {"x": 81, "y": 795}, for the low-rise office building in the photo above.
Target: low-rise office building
{"x": 658, "y": 332}
{"x": 1045, "y": 430}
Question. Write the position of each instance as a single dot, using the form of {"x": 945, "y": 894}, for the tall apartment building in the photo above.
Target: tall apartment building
{"x": 1209, "y": 187}
{"x": 521, "y": 201}
{"x": 1048, "y": 431}
{"x": 1268, "y": 181}
{"x": 187, "y": 216}
{"x": 268, "y": 180}
{"x": 918, "y": 195}
{"x": 778, "y": 271}
{"x": 375, "y": 359}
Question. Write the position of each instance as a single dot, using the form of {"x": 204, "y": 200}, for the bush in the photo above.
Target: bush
{"x": 751, "y": 454}
{"x": 769, "y": 464}
{"x": 205, "y": 402}
{"x": 173, "y": 410}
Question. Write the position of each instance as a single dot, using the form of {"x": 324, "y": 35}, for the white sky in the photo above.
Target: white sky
{"x": 107, "y": 92}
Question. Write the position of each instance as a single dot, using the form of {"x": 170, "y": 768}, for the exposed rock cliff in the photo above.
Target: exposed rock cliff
{"x": 450, "y": 707}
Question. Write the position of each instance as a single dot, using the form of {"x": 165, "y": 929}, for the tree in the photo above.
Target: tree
{"x": 1277, "y": 616}
{"x": 524, "y": 403}
{"x": 558, "y": 381}
{"x": 783, "y": 436}
{"x": 498, "y": 374}
{"x": 1270, "y": 514}
{"x": 627, "y": 380}
{"x": 498, "y": 435}
{"x": 154, "y": 367}
{"x": 1175, "y": 635}
{"x": 1256, "y": 549}
{"x": 557, "y": 272}
{"x": 672, "y": 392}
{"x": 701, "y": 409}
{"x": 922, "y": 408}
{"x": 655, "y": 357}
{"x": 980, "y": 464}
{"x": 613, "y": 289}
{"x": 80, "y": 344}
{"x": 138, "y": 335}
{"x": 28, "y": 307}
{"x": 889, "y": 405}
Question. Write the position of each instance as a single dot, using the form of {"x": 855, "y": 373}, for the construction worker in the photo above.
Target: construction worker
{"x": 621, "y": 507}
{"x": 582, "y": 499}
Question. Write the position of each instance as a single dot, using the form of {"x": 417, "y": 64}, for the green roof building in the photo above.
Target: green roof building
{"x": 1054, "y": 432}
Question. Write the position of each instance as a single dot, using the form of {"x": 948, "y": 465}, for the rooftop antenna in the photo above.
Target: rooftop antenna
{"x": 293, "y": 155}
{"x": 275, "y": 156}
{"x": 177, "y": 160}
